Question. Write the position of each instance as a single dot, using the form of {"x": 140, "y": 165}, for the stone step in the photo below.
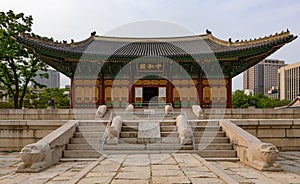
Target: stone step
{"x": 130, "y": 123}
{"x": 209, "y": 134}
{"x": 91, "y": 123}
{"x": 78, "y": 159}
{"x": 156, "y": 146}
{"x": 88, "y": 134}
{"x": 217, "y": 153}
{"x": 84, "y": 146}
{"x": 211, "y": 140}
{"x": 214, "y": 146}
{"x": 204, "y": 123}
{"x": 86, "y": 141}
{"x": 169, "y": 128}
{"x": 209, "y": 154}
{"x": 129, "y": 128}
{"x": 222, "y": 159}
{"x": 81, "y": 154}
{"x": 169, "y": 134}
{"x": 129, "y": 134}
{"x": 206, "y": 128}
{"x": 99, "y": 128}
{"x": 150, "y": 140}
{"x": 167, "y": 123}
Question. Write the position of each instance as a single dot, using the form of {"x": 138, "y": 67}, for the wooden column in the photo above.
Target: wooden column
{"x": 131, "y": 86}
{"x": 101, "y": 92}
{"x": 169, "y": 94}
{"x": 200, "y": 92}
{"x": 229, "y": 93}
{"x": 72, "y": 93}
{"x": 131, "y": 92}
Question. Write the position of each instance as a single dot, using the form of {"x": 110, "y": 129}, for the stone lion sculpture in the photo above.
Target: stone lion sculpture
{"x": 101, "y": 110}
{"x": 262, "y": 156}
{"x": 184, "y": 130}
{"x": 114, "y": 130}
{"x": 168, "y": 110}
{"x": 35, "y": 157}
{"x": 197, "y": 111}
{"x": 129, "y": 108}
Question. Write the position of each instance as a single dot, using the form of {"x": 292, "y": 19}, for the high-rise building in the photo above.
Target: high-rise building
{"x": 289, "y": 79}
{"x": 263, "y": 77}
{"x": 53, "y": 80}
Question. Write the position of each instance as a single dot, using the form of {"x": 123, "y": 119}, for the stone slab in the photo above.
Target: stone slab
{"x": 149, "y": 130}
{"x": 175, "y": 179}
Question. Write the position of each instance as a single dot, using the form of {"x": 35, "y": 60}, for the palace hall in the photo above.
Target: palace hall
{"x": 182, "y": 71}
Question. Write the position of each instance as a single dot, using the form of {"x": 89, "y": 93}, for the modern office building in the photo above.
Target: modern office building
{"x": 53, "y": 80}
{"x": 289, "y": 79}
{"x": 263, "y": 77}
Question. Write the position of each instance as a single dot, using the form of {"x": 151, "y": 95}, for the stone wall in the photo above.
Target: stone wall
{"x": 72, "y": 114}
{"x": 252, "y": 113}
{"x": 283, "y": 133}
{"x": 47, "y": 114}
{"x": 15, "y": 134}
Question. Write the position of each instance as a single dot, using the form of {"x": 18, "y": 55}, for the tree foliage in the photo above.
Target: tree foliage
{"x": 18, "y": 67}
{"x": 240, "y": 100}
{"x": 40, "y": 100}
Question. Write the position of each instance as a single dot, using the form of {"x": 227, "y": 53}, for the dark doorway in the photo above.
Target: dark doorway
{"x": 150, "y": 94}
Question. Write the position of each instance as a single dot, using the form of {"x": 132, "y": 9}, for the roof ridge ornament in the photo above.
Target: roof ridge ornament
{"x": 93, "y": 33}
{"x": 208, "y": 31}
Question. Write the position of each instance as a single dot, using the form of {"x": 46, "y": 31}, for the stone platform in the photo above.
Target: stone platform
{"x": 150, "y": 169}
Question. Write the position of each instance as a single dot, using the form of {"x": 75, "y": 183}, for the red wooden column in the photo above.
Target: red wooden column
{"x": 200, "y": 92}
{"x": 101, "y": 91}
{"x": 169, "y": 92}
{"x": 131, "y": 93}
{"x": 229, "y": 93}
{"x": 71, "y": 94}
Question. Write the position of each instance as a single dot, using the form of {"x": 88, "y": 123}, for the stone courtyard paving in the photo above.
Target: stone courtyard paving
{"x": 151, "y": 169}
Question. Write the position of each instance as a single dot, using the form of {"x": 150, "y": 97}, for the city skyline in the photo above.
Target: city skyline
{"x": 233, "y": 19}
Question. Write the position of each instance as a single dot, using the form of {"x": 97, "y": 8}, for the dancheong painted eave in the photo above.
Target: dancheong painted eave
{"x": 233, "y": 56}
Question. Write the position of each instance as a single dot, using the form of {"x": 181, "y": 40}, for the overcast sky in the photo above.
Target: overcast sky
{"x": 236, "y": 19}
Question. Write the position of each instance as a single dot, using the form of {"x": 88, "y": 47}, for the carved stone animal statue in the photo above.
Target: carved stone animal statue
{"x": 184, "y": 130}
{"x": 114, "y": 130}
{"x": 35, "y": 157}
{"x": 168, "y": 109}
{"x": 101, "y": 110}
{"x": 262, "y": 156}
{"x": 129, "y": 108}
{"x": 197, "y": 111}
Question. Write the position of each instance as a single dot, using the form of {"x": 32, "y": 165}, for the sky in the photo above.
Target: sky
{"x": 236, "y": 19}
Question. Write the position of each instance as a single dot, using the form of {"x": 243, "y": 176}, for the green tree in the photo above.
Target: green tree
{"x": 40, "y": 99}
{"x": 18, "y": 67}
{"x": 239, "y": 99}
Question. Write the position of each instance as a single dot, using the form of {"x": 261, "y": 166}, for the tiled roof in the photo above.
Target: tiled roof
{"x": 192, "y": 45}
{"x": 233, "y": 57}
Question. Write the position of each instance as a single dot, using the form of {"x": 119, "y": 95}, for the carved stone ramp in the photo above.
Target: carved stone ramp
{"x": 149, "y": 130}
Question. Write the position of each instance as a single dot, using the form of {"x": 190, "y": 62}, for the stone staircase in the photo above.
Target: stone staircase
{"x": 129, "y": 141}
{"x": 209, "y": 140}
{"x": 86, "y": 140}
